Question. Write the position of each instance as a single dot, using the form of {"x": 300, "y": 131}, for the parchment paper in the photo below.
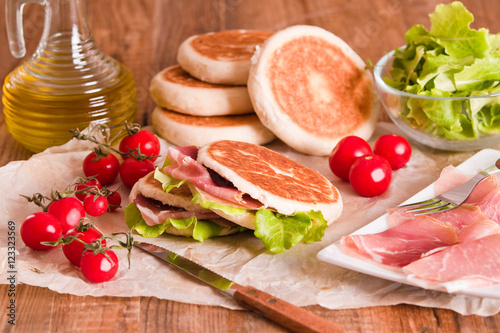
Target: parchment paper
{"x": 296, "y": 275}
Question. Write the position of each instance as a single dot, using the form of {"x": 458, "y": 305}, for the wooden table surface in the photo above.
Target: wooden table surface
{"x": 145, "y": 34}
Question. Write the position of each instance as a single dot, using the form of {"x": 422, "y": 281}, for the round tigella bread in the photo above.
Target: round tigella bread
{"x": 311, "y": 89}
{"x": 173, "y": 88}
{"x": 280, "y": 183}
{"x": 221, "y": 57}
{"x": 186, "y": 130}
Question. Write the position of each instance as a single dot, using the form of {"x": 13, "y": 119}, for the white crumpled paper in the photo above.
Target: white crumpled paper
{"x": 296, "y": 275}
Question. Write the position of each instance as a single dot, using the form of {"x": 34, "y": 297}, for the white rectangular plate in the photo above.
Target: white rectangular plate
{"x": 333, "y": 255}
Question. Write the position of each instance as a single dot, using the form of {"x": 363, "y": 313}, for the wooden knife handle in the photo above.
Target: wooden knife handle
{"x": 283, "y": 313}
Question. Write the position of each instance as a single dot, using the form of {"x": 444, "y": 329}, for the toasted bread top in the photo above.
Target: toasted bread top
{"x": 328, "y": 95}
{"x": 176, "y": 74}
{"x": 275, "y": 180}
{"x": 311, "y": 89}
{"x": 229, "y": 45}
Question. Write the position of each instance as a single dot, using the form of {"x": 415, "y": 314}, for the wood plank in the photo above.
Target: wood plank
{"x": 42, "y": 310}
{"x": 39, "y": 309}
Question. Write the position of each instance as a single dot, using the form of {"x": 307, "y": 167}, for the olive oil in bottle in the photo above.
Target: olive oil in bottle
{"x": 67, "y": 83}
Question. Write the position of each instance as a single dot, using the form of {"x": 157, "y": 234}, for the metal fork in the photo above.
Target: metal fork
{"x": 451, "y": 198}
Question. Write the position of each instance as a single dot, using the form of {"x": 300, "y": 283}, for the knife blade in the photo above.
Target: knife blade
{"x": 285, "y": 314}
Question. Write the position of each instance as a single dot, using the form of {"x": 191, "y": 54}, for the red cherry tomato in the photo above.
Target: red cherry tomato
{"x": 104, "y": 169}
{"x": 145, "y": 140}
{"x": 40, "y": 227}
{"x": 345, "y": 153}
{"x": 115, "y": 200}
{"x": 132, "y": 170}
{"x": 89, "y": 184}
{"x": 394, "y": 148}
{"x": 68, "y": 211}
{"x": 370, "y": 175}
{"x": 97, "y": 267}
{"x": 95, "y": 205}
{"x": 74, "y": 250}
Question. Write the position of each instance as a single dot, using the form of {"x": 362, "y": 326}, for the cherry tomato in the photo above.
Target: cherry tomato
{"x": 132, "y": 170}
{"x": 68, "y": 211}
{"x": 95, "y": 205}
{"x": 74, "y": 250}
{"x": 394, "y": 148}
{"x": 97, "y": 267}
{"x": 104, "y": 169}
{"x": 145, "y": 140}
{"x": 89, "y": 184}
{"x": 370, "y": 175}
{"x": 345, "y": 153}
{"x": 40, "y": 227}
{"x": 115, "y": 200}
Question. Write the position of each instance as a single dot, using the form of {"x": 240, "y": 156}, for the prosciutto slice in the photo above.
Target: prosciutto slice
{"x": 482, "y": 190}
{"x": 452, "y": 250}
{"x": 478, "y": 230}
{"x": 490, "y": 205}
{"x": 458, "y": 217}
{"x": 403, "y": 244}
{"x": 450, "y": 177}
{"x": 154, "y": 212}
{"x": 185, "y": 167}
{"x": 469, "y": 264}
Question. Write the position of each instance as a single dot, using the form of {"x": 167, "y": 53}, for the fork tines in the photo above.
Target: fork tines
{"x": 434, "y": 205}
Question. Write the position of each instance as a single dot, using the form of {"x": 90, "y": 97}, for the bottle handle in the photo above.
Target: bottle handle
{"x": 14, "y": 24}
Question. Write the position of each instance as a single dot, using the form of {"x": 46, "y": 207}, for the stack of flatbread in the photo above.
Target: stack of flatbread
{"x": 204, "y": 98}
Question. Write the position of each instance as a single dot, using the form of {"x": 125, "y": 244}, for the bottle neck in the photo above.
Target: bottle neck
{"x": 67, "y": 56}
{"x": 66, "y": 23}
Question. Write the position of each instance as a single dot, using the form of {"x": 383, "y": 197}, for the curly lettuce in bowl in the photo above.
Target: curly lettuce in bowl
{"x": 449, "y": 76}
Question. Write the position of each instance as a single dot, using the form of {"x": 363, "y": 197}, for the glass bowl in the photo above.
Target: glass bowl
{"x": 399, "y": 104}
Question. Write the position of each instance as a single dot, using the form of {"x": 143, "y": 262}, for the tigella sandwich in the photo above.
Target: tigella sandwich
{"x": 283, "y": 201}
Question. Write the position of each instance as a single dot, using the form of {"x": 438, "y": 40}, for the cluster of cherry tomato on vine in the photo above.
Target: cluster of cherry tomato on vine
{"x": 369, "y": 171}
{"x": 138, "y": 150}
{"x": 61, "y": 221}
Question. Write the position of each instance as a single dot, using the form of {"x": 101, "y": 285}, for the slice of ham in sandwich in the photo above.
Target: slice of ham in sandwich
{"x": 156, "y": 207}
{"x": 154, "y": 212}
